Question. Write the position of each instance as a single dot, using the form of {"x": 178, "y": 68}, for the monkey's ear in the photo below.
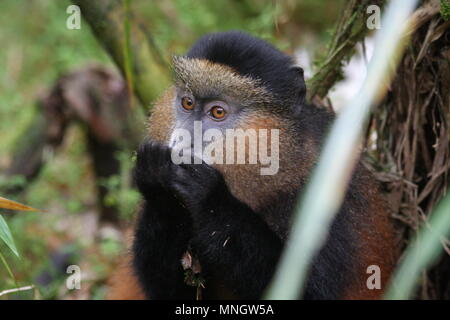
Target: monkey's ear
{"x": 301, "y": 87}
{"x": 299, "y": 70}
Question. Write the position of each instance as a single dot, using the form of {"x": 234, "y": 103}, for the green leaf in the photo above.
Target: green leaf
{"x": 5, "y": 235}
{"x": 8, "y": 269}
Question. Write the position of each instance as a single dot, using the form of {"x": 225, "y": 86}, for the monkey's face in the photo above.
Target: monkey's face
{"x": 210, "y": 101}
{"x": 199, "y": 114}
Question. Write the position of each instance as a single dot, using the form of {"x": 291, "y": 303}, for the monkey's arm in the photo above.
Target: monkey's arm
{"x": 162, "y": 231}
{"x": 229, "y": 237}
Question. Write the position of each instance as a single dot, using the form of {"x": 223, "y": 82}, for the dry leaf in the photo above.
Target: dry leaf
{"x": 12, "y": 205}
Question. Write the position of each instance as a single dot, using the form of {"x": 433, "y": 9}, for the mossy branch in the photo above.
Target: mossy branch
{"x": 106, "y": 21}
{"x": 351, "y": 29}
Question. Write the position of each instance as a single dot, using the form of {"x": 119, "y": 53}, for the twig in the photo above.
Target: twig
{"x": 8, "y": 291}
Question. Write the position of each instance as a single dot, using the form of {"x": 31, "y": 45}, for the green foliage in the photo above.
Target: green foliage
{"x": 445, "y": 9}
{"x": 176, "y": 24}
{"x": 5, "y": 233}
{"x": 120, "y": 192}
{"x": 59, "y": 180}
{"x": 127, "y": 47}
{"x": 37, "y": 51}
{"x": 12, "y": 182}
{"x": 111, "y": 247}
{"x": 7, "y": 267}
{"x": 6, "y": 236}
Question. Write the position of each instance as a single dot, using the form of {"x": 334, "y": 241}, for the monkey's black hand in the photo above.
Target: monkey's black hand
{"x": 194, "y": 184}
{"x": 163, "y": 229}
{"x": 153, "y": 169}
{"x": 230, "y": 239}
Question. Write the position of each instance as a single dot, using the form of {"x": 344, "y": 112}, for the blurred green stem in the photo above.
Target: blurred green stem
{"x": 8, "y": 269}
{"x": 127, "y": 50}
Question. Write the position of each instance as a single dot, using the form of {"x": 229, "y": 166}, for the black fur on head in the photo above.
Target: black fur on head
{"x": 255, "y": 58}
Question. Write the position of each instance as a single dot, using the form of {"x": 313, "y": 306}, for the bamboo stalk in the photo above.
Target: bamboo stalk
{"x": 314, "y": 214}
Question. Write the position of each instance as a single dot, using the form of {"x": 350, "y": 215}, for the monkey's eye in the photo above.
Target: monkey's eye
{"x": 187, "y": 103}
{"x": 217, "y": 112}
